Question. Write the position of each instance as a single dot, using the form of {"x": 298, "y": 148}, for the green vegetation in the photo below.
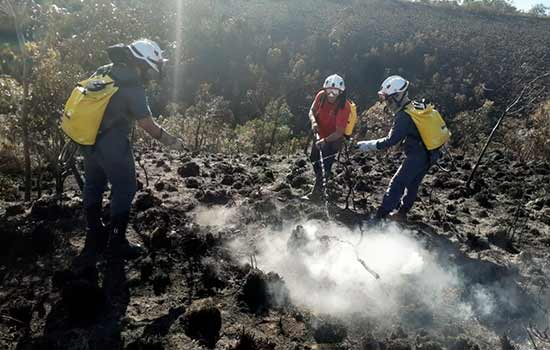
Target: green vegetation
{"x": 243, "y": 73}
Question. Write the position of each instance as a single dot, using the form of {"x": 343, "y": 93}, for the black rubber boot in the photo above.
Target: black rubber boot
{"x": 381, "y": 214}
{"x": 96, "y": 239}
{"x": 399, "y": 216}
{"x": 316, "y": 193}
{"x": 96, "y": 235}
{"x": 119, "y": 247}
{"x": 333, "y": 192}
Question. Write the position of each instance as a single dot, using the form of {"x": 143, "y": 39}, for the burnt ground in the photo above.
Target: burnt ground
{"x": 192, "y": 292}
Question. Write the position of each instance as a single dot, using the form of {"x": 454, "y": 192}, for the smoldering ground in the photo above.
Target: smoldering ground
{"x": 483, "y": 288}
{"x": 331, "y": 269}
{"x": 217, "y": 216}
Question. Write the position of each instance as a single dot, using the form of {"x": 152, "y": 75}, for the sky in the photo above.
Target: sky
{"x": 527, "y": 4}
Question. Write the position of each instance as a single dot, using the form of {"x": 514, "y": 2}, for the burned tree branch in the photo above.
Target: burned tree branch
{"x": 543, "y": 336}
{"x": 497, "y": 125}
{"x": 9, "y": 318}
{"x": 142, "y": 166}
{"x": 532, "y": 340}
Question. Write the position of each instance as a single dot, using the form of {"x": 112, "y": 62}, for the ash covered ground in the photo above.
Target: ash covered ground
{"x": 237, "y": 260}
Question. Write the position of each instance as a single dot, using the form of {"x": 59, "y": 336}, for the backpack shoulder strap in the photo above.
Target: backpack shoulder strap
{"x": 100, "y": 79}
{"x": 103, "y": 71}
{"x": 418, "y": 105}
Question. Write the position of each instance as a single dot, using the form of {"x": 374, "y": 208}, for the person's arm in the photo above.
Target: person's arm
{"x": 397, "y": 133}
{"x": 151, "y": 127}
{"x": 336, "y": 135}
{"x": 313, "y": 119}
{"x": 138, "y": 109}
{"x": 158, "y": 133}
{"x": 313, "y": 112}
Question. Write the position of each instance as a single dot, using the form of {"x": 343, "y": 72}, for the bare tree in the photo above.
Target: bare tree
{"x": 525, "y": 96}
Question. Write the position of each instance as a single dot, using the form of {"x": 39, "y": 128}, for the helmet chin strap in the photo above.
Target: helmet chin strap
{"x": 397, "y": 105}
{"x": 147, "y": 74}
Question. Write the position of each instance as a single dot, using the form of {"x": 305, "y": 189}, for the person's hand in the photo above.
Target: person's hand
{"x": 172, "y": 142}
{"x": 315, "y": 128}
{"x": 178, "y": 145}
{"x": 367, "y": 146}
{"x": 320, "y": 143}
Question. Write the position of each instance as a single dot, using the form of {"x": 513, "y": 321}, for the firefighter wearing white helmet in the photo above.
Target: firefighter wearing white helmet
{"x": 393, "y": 85}
{"x": 149, "y": 52}
{"x": 335, "y": 81}
{"x": 328, "y": 116}
{"x": 110, "y": 159}
{"x": 403, "y": 188}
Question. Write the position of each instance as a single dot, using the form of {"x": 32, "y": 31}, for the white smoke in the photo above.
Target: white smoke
{"x": 484, "y": 301}
{"x": 323, "y": 272}
{"x": 417, "y": 287}
{"x": 216, "y": 216}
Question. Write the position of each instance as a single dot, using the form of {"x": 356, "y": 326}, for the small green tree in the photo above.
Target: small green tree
{"x": 491, "y": 6}
{"x": 11, "y": 95}
{"x": 268, "y": 133}
{"x": 539, "y": 10}
{"x": 279, "y": 116}
{"x": 206, "y": 119}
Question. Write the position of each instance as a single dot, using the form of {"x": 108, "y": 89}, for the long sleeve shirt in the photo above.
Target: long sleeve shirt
{"x": 403, "y": 130}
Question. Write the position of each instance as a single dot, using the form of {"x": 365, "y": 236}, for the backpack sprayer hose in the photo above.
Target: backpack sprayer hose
{"x": 323, "y": 173}
{"x": 66, "y": 156}
{"x": 67, "y": 164}
{"x": 354, "y": 246}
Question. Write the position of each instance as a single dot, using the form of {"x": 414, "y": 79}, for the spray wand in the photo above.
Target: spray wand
{"x": 321, "y": 160}
{"x": 323, "y": 172}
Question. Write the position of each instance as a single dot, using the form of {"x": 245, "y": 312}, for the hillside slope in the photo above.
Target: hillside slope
{"x": 470, "y": 267}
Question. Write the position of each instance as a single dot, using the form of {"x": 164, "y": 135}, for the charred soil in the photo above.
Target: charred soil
{"x": 192, "y": 290}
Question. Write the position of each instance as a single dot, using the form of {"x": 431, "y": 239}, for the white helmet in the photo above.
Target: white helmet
{"x": 393, "y": 85}
{"x": 148, "y": 51}
{"x": 335, "y": 81}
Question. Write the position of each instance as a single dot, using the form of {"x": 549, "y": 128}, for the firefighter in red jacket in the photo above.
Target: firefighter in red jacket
{"x": 328, "y": 115}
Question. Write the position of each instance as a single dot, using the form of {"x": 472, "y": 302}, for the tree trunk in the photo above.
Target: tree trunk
{"x": 24, "y": 108}
{"x": 26, "y": 141}
{"x": 56, "y": 164}
{"x": 199, "y": 122}
{"x": 39, "y": 181}
{"x": 306, "y": 145}
{"x": 273, "y": 134}
{"x": 58, "y": 182}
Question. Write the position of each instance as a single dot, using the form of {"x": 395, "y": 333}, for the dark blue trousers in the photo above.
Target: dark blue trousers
{"x": 330, "y": 152}
{"x": 110, "y": 160}
{"x": 403, "y": 189}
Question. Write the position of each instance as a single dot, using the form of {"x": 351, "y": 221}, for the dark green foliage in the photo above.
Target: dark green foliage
{"x": 242, "y": 74}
